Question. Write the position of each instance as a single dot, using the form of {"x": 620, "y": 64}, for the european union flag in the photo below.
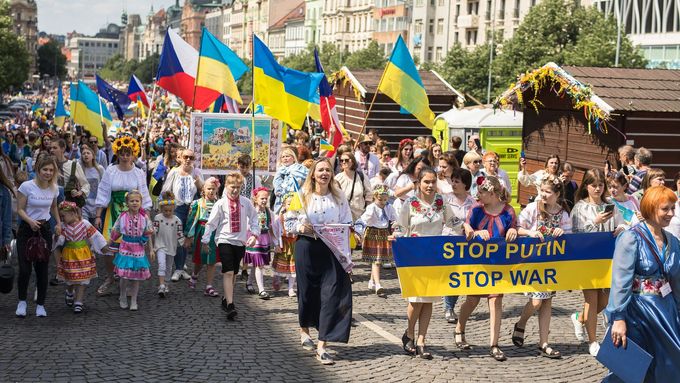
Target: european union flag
{"x": 119, "y": 99}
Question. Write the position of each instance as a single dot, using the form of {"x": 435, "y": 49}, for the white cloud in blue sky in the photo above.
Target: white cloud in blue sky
{"x": 88, "y": 16}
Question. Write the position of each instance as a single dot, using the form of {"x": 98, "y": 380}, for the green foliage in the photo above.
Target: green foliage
{"x": 468, "y": 72}
{"x": 146, "y": 71}
{"x": 117, "y": 69}
{"x": 330, "y": 57}
{"x": 371, "y": 57}
{"x": 14, "y": 57}
{"x": 245, "y": 84}
{"x": 51, "y": 58}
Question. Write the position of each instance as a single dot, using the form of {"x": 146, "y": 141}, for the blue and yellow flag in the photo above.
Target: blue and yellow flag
{"x": 86, "y": 108}
{"x": 59, "y": 110}
{"x": 286, "y": 94}
{"x": 218, "y": 70}
{"x": 324, "y": 145}
{"x": 402, "y": 84}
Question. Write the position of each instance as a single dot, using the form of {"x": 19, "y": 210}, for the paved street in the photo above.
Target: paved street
{"x": 187, "y": 338}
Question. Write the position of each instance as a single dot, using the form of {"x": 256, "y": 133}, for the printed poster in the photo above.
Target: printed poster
{"x": 336, "y": 237}
{"x": 219, "y": 139}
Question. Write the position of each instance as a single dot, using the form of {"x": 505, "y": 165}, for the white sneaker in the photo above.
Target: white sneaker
{"x": 186, "y": 276}
{"x": 579, "y": 328}
{"x": 594, "y": 348}
{"x": 133, "y": 306}
{"x": 388, "y": 265}
{"x": 123, "y": 302}
{"x": 21, "y": 309}
{"x": 176, "y": 275}
{"x": 40, "y": 311}
{"x": 371, "y": 284}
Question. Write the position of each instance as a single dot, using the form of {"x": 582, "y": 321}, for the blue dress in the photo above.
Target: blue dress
{"x": 652, "y": 321}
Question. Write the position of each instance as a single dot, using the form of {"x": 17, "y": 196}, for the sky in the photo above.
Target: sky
{"x": 88, "y": 16}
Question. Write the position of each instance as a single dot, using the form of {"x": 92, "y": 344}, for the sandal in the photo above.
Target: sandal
{"x": 461, "y": 344}
{"x": 249, "y": 288}
{"x": 264, "y": 295}
{"x": 518, "y": 336}
{"x": 78, "y": 308}
{"x": 421, "y": 353}
{"x": 192, "y": 283}
{"x": 497, "y": 354}
{"x": 210, "y": 292}
{"x": 408, "y": 345}
{"x": 105, "y": 288}
{"x": 69, "y": 298}
{"x": 549, "y": 352}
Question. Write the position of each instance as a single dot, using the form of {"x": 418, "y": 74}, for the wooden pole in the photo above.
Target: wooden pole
{"x": 370, "y": 107}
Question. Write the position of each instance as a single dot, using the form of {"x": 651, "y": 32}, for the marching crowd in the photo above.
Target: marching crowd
{"x": 77, "y": 198}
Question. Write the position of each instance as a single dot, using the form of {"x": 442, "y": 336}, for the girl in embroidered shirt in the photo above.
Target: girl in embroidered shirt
{"x": 492, "y": 217}
{"x": 257, "y": 255}
{"x": 131, "y": 263}
{"x": 377, "y": 249}
{"x": 194, "y": 229}
{"x": 77, "y": 264}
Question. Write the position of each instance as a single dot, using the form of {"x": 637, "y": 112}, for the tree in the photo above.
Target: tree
{"x": 304, "y": 61}
{"x": 114, "y": 69}
{"x": 245, "y": 84}
{"x": 468, "y": 72}
{"x": 51, "y": 61}
{"x": 14, "y": 58}
{"x": 146, "y": 71}
{"x": 371, "y": 57}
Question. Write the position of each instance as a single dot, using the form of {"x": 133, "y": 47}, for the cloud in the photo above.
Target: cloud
{"x": 88, "y": 16}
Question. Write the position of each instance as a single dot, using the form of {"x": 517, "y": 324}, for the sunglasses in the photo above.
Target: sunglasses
{"x": 477, "y": 162}
{"x": 343, "y": 160}
{"x": 190, "y": 158}
{"x": 94, "y": 142}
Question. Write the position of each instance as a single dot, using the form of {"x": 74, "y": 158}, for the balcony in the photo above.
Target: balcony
{"x": 468, "y": 21}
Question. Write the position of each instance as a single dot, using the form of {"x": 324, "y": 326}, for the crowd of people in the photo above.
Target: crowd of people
{"x": 78, "y": 198}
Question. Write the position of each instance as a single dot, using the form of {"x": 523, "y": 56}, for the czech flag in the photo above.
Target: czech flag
{"x": 401, "y": 82}
{"x": 285, "y": 94}
{"x": 177, "y": 67}
{"x": 136, "y": 92}
{"x": 218, "y": 70}
{"x": 59, "y": 110}
{"x": 329, "y": 114}
{"x": 88, "y": 110}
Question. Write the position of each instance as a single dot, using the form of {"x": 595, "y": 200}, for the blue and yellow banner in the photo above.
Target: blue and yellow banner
{"x": 401, "y": 82}
{"x": 440, "y": 266}
{"x": 88, "y": 110}
{"x": 59, "y": 110}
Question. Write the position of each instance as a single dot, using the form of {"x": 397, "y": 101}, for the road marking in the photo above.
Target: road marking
{"x": 377, "y": 329}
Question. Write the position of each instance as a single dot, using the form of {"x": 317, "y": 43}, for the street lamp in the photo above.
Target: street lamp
{"x": 493, "y": 33}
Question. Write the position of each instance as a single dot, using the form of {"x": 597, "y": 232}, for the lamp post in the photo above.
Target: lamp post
{"x": 493, "y": 33}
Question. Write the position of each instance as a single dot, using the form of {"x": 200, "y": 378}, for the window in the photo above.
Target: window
{"x": 429, "y": 54}
{"x": 418, "y": 26}
{"x": 420, "y": 3}
{"x": 471, "y": 37}
{"x": 501, "y": 13}
{"x": 441, "y": 3}
{"x": 473, "y": 7}
{"x": 430, "y": 27}
{"x": 457, "y": 10}
{"x": 347, "y": 25}
{"x": 438, "y": 55}
{"x": 440, "y": 26}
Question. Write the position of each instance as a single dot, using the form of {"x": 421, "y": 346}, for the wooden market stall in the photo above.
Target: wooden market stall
{"x": 584, "y": 114}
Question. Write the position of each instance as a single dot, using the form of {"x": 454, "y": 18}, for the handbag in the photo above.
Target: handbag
{"x": 6, "y": 271}
{"x": 36, "y": 248}
{"x": 72, "y": 185}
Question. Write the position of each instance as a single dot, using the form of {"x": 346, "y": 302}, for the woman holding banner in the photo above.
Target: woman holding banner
{"x": 645, "y": 287}
{"x": 324, "y": 287}
{"x": 424, "y": 214}
{"x": 115, "y": 183}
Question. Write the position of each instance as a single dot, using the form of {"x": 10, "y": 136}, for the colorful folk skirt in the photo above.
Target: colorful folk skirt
{"x": 258, "y": 254}
{"x": 77, "y": 264}
{"x": 131, "y": 261}
{"x": 376, "y": 247}
{"x": 284, "y": 260}
{"x": 203, "y": 255}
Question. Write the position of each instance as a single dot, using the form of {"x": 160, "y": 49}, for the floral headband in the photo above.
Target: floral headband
{"x": 483, "y": 183}
{"x": 68, "y": 206}
{"x": 213, "y": 180}
{"x": 126, "y": 142}
{"x": 381, "y": 190}
{"x": 257, "y": 190}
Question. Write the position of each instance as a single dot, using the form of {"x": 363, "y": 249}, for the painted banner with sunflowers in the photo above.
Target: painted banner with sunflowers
{"x": 451, "y": 265}
{"x": 219, "y": 139}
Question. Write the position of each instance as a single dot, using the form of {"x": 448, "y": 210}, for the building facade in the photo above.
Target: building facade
{"x": 313, "y": 11}
{"x": 217, "y": 22}
{"x": 24, "y": 14}
{"x": 89, "y": 55}
{"x": 652, "y": 25}
{"x": 131, "y": 36}
{"x": 391, "y": 18}
{"x": 153, "y": 35}
{"x": 347, "y": 23}
{"x": 286, "y": 36}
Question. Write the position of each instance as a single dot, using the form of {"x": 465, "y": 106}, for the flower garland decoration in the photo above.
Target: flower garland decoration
{"x": 126, "y": 142}
{"x": 483, "y": 183}
{"x": 554, "y": 78}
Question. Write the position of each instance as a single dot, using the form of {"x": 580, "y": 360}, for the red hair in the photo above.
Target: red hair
{"x": 653, "y": 198}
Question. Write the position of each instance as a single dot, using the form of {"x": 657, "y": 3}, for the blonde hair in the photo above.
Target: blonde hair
{"x": 234, "y": 179}
{"x": 290, "y": 152}
{"x": 46, "y": 160}
{"x": 470, "y": 157}
{"x": 309, "y": 187}
{"x": 493, "y": 184}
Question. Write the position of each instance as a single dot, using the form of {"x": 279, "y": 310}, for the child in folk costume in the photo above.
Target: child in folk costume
{"x": 193, "y": 231}
{"x": 257, "y": 256}
{"x": 377, "y": 249}
{"x": 131, "y": 264}
{"x": 168, "y": 233}
{"x": 283, "y": 263}
{"x": 77, "y": 264}
{"x": 229, "y": 220}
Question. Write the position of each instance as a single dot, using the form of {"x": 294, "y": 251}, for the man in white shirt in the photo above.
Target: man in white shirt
{"x": 369, "y": 164}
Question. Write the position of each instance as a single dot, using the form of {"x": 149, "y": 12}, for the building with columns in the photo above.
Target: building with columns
{"x": 286, "y": 36}
{"x": 347, "y": 23}
{"x": 313, "y": 10}
{"x": 24, "y": 14}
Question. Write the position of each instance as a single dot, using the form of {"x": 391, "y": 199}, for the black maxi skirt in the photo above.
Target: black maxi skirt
{"x": 324, "y": 291}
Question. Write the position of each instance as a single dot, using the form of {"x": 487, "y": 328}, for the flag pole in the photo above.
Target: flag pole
{"x": 252, "y": 109}
{"x": 146, "y": 131}
{"x": 198, "y": 70}
{"x": 370, "y": 107}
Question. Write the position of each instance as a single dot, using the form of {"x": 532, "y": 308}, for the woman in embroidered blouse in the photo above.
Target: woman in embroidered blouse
{"x": 589, "y": 215}
{"x": 324, "y": 287}
{"x": 545, "y": 217}
{"x": 645, "y": 289}
{"x": 355, "y": 186}
{"x": 552, "y": 167}
{"x": 422, "y": 215}
{"x": 404, "y": 156}
{"x": 288, "y": 172}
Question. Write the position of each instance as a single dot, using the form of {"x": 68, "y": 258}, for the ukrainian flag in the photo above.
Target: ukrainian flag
{"x": 324, "y": 145}
{"x": 286, "y": 94}
{"x": 86, "y": 108}
{"x": 59, "y": 111}
{"x": 402, "y": 84}
{"x": 218, "y": 70}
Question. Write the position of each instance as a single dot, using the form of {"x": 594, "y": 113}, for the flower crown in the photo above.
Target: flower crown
{"x": 257, "y": 190}
{"x": 405, "y": 141}
{"x": 381, "y": 190}
{"x": 483, "y": 183}
{"x": 68, "y": 206}
{"x": 213, "y": 180}
{"x": 126, "y": 142}
{"x": 166, "y": 202}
